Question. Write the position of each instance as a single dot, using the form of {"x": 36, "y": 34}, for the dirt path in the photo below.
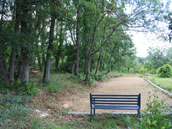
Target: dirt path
{"x": 123, "y": 85}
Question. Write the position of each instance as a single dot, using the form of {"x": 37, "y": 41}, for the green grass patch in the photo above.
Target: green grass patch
{"x": 59, "y": 82}
{"x": 105, "y": 121}
{"x": 165, "y": 83}
{"x": 13, "y": 112}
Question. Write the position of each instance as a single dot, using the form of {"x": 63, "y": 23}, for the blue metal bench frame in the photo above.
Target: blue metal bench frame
{"x": 115, "y": 102}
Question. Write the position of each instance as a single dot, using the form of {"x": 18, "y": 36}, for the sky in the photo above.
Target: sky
{"x": 143, "y": 41}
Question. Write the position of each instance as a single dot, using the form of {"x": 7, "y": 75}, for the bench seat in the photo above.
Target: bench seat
{"x": 116, "y": 107}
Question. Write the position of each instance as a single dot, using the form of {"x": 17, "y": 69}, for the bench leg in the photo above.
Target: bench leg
{"x": 91, "y": 115}
{"x": 94, "y": 111}
{"x": 139, "y": 114}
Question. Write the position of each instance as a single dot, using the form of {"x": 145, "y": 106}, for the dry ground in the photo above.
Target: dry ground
{"x": 79, "y": 102}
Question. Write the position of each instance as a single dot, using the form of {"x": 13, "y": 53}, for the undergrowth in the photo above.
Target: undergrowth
{"x": 13, "y": 112}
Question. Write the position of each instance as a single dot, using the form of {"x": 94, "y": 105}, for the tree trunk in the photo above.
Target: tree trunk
{"x": 43, "y": 55}
{"x": 13, "y": 53}
{"x": 25, "y": 70}
{"x": 25, "y": 50}
{"x": 12, "y": 65}
{"x": 100, "y": 67}
{"x": 3, "y": 73}
{"x": 57, "y": 62}
{"x": 18, "y": 71}
{"x": 110, "y": 65}
{"x": 48, "y": 59}
{"x": 39, "y": 58}
{"x": 76, "y": 72}
{"x": 59, "y": 52}
{"x": 88, "y": 66}
{"x": 73, "y": 67}
{"x": 39, "y": 62}
{"x": 98, "y": 62}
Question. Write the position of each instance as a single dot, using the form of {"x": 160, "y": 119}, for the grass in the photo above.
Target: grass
{"x": 59, "y": 82}
{"x": 104, "y": 121}
{"x": 13, "y": 111}
{"x": 165, "y": 83}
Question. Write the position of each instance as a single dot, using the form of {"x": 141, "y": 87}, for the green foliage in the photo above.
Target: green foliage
{"x": 155, "y": 115}
{"x": 36, "y": 123}
{"x": 153, "y": 71}
{"x": 100, "y": 76}
{"x": 54, "y": 86}
{"x": 13, "y": 112}
{"x": 90, "y": 80}
{"x": 165, "y": 71}
{"x": 30, "y": 89}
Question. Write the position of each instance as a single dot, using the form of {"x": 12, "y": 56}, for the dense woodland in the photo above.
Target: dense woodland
{"x": 75, "y": 36}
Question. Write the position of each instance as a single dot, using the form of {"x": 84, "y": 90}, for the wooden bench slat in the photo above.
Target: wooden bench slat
{"x": 116, "y": 107}
{"x": 113, "y": 95}
{"x": 110, "y": 98}
{"x": 118, "y": 103}
{"x": 115, "y": 101}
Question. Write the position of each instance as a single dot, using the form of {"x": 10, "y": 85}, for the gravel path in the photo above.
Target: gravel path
{"x": 123, "y": 85}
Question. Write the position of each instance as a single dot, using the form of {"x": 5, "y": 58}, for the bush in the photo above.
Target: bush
{"x": 55, "y": 86}
{"x": 143, "y": 70}
{"x": 152, "y": 71}
{"x": 156, "y": 115}
{"x": 99, "y": 76}
{"x": 13, "y": 112}
{"x": 165, "y": 71}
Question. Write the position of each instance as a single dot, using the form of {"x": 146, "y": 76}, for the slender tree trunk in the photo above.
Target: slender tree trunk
{"x": 73, "y": 67}
{"x": 25, "y": 50}
{"x": 43, "y": 55}
{"x": 59, "y": 52}
{"x": 3, "y": 73}
{"x": 48, "y": 59}
{"x": 98, "y": 62}
{"x": 57, "y": 62}
{"x": 100, "y": 67}
{"x": 13, "y": 53}
{"x": 90, "y": 54}
{"x": 39, "y": 58}
{"x": 76, "y": 72}
{"x": 110, "y": 65}
{"x": 12, "y": 65}
{"x": 88, "y": 66}
{"x": 39, "y": 62}
{"x": 19, "y": 70}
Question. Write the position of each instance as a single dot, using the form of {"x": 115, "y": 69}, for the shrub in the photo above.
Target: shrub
{"x": 165, "y": 71}
{"x": 55, "y": 86}
{"x": 156, "y": 115}
{"x": 152, "y": 71}
{"x": 99, "y": 76}
{"x": 90, "y": 80}
{"x": 143, "y": 70}
{"x": 13, "y": 112}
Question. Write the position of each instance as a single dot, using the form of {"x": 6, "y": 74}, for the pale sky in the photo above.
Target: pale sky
{"x": 143, "y": 41}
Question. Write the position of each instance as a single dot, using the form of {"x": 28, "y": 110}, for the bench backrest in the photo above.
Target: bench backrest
{"x": 119, "y": 100}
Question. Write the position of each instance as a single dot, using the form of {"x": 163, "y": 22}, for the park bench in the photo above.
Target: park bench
{"x": 114, "y": 102}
